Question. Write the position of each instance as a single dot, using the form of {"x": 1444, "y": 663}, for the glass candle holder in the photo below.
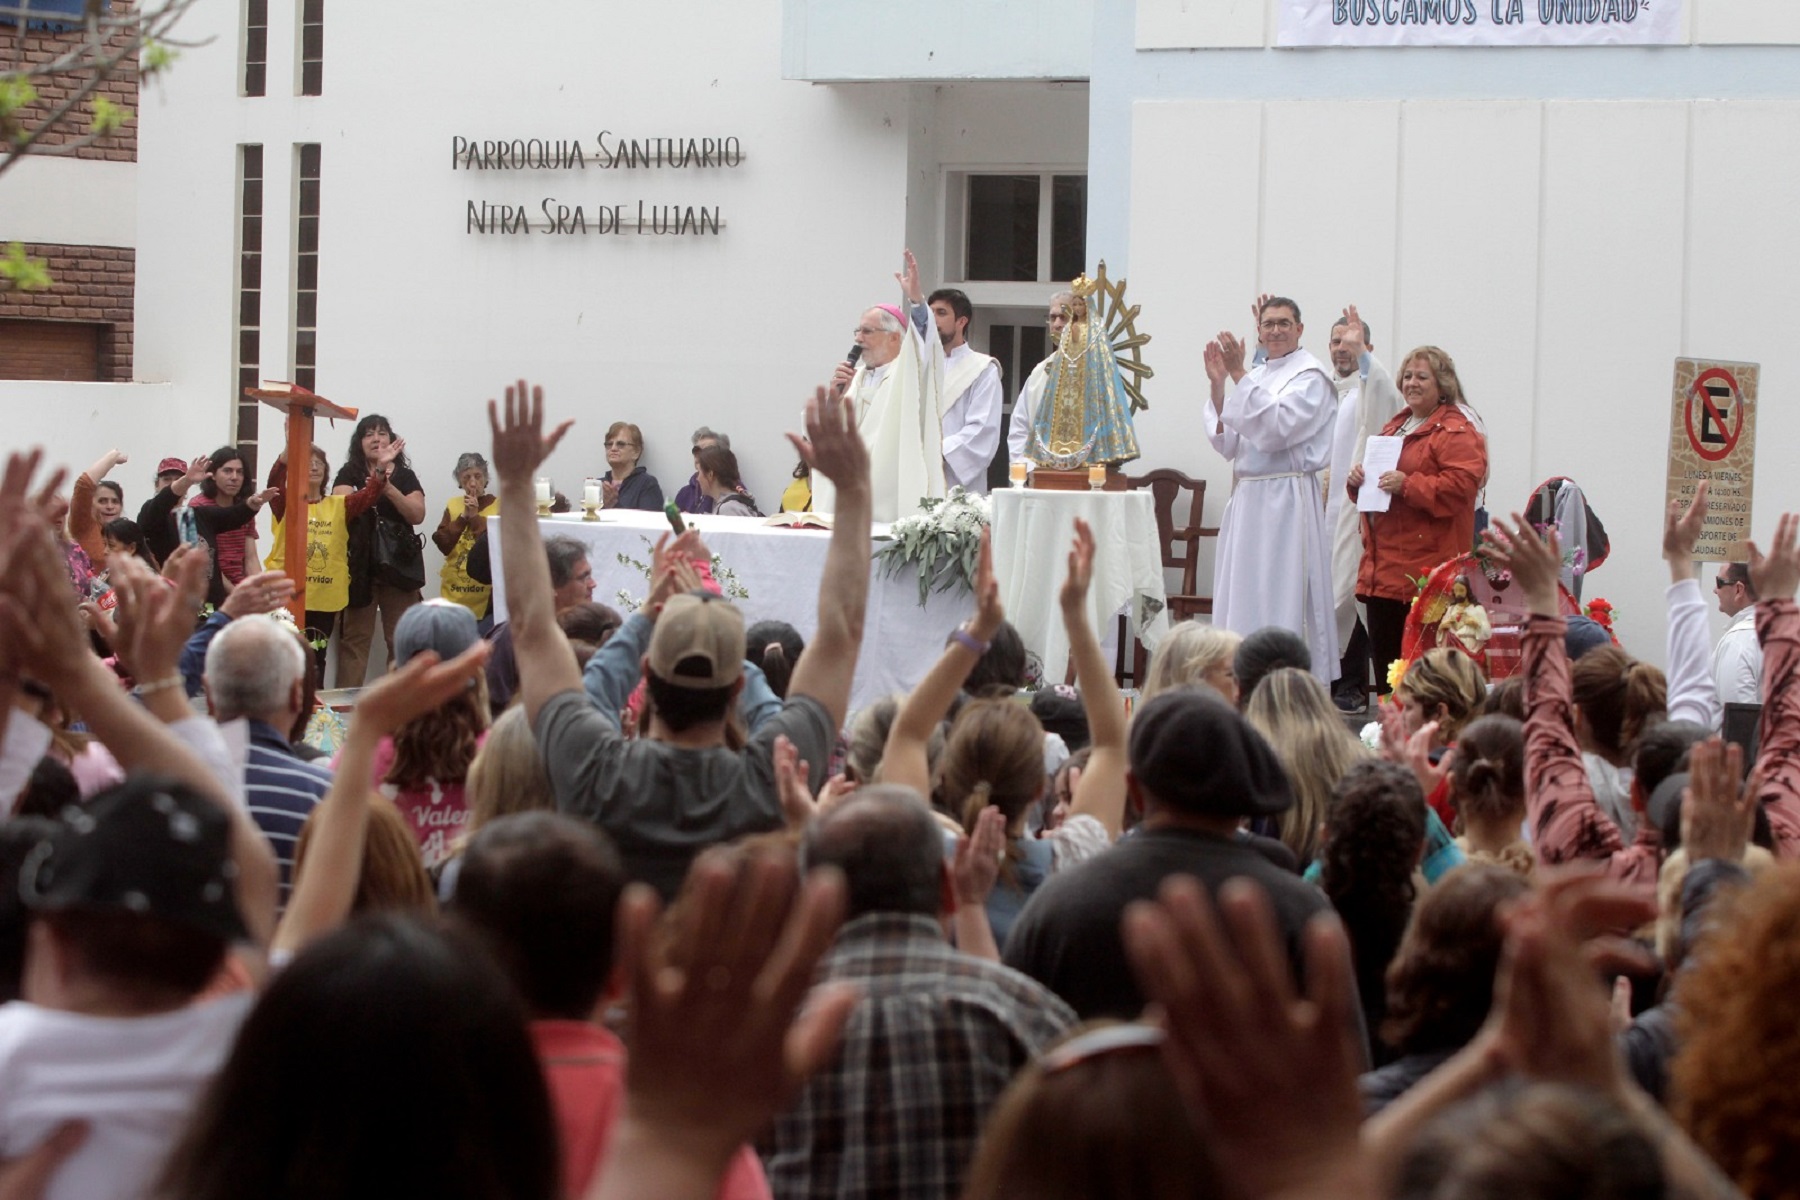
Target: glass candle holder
{"x": 543, "y": 495}
{"x": 1097, "y": 477}
{"x": 1018, "y": 471}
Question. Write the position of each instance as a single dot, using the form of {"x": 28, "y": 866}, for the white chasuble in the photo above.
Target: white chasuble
{"x": 899, "y": 412}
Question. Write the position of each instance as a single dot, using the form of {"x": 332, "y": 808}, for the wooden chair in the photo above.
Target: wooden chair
{"x": 1180, "y": 550}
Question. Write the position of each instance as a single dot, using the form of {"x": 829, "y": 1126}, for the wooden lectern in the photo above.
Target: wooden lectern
{"x": 299, "y": 406}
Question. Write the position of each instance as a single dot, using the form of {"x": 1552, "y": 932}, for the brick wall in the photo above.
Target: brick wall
{"x": 94, "y": 285}
{"x": 121, "y": 87}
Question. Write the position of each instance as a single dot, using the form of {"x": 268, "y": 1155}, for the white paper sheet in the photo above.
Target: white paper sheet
{"x": 1381, "y": 454}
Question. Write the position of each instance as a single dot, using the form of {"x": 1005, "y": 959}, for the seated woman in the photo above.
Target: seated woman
{"x": 719, "y": 479}
{"x": 626, "y": 484}
{"x": 797, "y": 497}
{"x": 691, "y": 498}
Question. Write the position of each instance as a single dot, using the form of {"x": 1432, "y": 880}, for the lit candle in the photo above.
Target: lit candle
{"x": 543, "y": 491}
{"x": 1018, "y": 474}
{"x": 1097, "y": 476}
{"x": 590, "y": 493}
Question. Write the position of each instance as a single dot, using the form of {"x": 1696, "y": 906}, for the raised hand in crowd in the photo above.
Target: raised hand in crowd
{"x": 723, "y": 1042}
{"x": 1417, "y": 755}
{"x": 1717, "y": 813}
{"x": 257, "y": 594}
{"x": 325, "y": 891}
{"x": 1682, "y": 527}
{"x": 1100, "y": 790}
{"x": 172, "y": 564}
{"x": 154, "y": 620}
{"x": 798, "y": 805}
{"x": 905, "y": 760}
{"x": 1776, "y": 574}
{"x": 831, "y": 445}
{"x": 672, "y": 568}
{"x": 1269, "y": 1075}
{"x": 974, "y": 869}
{"x": 198, "y": 469}
{"x": 520, "y": 444}
{"x": 1535, "y": 562}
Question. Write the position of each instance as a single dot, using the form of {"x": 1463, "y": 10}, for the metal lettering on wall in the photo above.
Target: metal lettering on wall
{"x": 607, "y": 151}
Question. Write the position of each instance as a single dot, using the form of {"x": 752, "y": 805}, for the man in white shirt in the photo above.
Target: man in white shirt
{"x": 1018, "y": 430}
{"x": 1274, "y": 423}
{"x": 972, "y": 395}
{"x": 1738, "y": 658}
{"x": 1366, "y": 399}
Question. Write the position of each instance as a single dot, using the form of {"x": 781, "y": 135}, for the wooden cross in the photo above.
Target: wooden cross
{"x": 300, "y": 407}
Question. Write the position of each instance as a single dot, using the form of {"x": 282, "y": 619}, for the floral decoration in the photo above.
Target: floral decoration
{"x": 942, "y": 542}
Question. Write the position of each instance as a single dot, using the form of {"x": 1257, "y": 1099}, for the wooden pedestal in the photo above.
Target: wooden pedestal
{"x": 1052, "y": 480}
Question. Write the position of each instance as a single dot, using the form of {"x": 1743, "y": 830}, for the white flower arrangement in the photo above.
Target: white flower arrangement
{"x": 942, "y": 542}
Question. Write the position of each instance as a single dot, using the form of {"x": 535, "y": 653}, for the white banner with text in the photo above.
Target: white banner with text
{"x": 1480, "y": 23}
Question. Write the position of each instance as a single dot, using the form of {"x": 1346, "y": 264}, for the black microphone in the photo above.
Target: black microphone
{"x": 855, "y": 353}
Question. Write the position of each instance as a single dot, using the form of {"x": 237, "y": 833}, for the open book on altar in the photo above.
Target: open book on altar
{"x": 799, "y": 520}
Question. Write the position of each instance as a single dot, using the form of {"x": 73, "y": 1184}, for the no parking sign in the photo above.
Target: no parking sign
{"x": 1712, "y": 436}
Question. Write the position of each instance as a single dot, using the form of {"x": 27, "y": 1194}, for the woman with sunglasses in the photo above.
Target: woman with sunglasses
{"x": 626, "y": 484}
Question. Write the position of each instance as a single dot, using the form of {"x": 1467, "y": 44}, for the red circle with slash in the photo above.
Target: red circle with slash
{"x": 1730, "y": 430}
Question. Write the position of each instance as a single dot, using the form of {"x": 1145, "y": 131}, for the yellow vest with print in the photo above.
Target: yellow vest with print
{"x": 327, "y": 554}
{"x": 455, "y": 583}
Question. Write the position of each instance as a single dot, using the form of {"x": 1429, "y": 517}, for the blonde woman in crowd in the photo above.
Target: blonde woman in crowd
{"x": 1292, "y": 709}
{"x": 1193, "y": 653}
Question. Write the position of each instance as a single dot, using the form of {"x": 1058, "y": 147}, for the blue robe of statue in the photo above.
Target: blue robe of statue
{"x": 1085, "y": 415}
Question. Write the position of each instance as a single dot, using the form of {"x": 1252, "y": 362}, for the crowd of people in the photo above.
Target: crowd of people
{"x": 626, "y": 905}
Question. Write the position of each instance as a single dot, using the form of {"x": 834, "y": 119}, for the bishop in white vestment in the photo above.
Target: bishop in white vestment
{"x": 1274, "y": 423}
{"x": 897, "y": 389}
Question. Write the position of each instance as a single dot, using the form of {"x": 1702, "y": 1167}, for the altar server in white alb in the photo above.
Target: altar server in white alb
{"x": 1274, "y": 423}
{"x": 1367, "y": 399}
{"x": 1018, "y": 430}
{"x": 897, "y": 387}
{"x": 973, "y": 401}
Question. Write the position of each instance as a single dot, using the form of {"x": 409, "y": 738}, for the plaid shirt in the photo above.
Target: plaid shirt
{"x": 936, "y": 1038}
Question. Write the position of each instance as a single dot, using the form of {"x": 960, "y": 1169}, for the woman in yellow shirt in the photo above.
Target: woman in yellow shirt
{"x": 327, "y": 542}
{"x": 465, "y": 520}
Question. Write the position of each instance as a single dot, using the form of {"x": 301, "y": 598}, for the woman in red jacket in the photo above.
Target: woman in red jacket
{"x": 1443, "y": 463}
